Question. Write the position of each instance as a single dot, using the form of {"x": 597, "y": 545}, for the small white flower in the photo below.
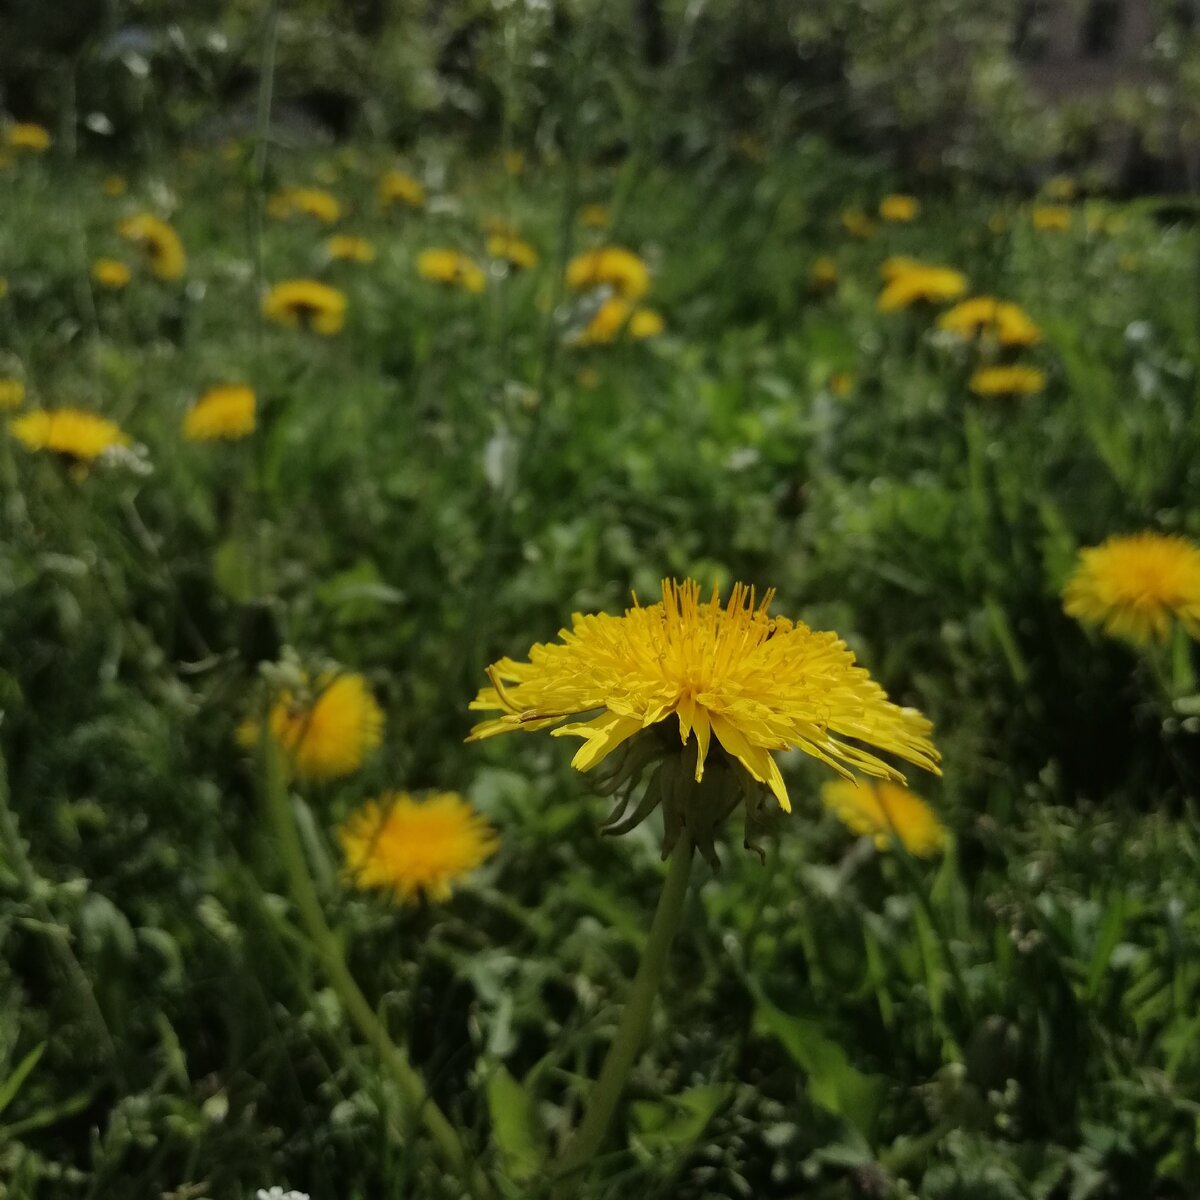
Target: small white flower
{"x": 277, "y": 1193}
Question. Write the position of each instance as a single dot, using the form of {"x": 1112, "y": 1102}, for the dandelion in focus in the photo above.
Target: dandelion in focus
{"x": 409, "y": 848}
{"x": 884, "y": 811}
{"x": 306, "y": 202}
{"x": 346, "y": 248}
{"x": 610, "y": 266}
{"x": 306, "y": 303}
{"x": 395, "y": 187}
{"x": 73, "y": 433}
{"x": 110, "y": 273}
{"x": 1006, "y": 323}
{"x": 26, "y": 137}
{"x": 224, "y": 413}
{"x": 899, "y": 209}
{"x": 159, "y": 240}
{"x": 12, "y": 394}
{"x": 1134, "y": 586}
{"x": 1014, "y": 380}
{"x": 451, "y": 268}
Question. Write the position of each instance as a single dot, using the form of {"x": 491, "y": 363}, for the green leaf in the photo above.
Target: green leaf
{"x": 233, "y": 570}
{"x": 514, "y": 1125}
{"x": 679, "y": 1121}
{"x": 12, "y": 1085}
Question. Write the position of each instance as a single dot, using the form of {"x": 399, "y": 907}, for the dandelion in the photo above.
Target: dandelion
{"x": 306, "y": 202}
{"x": 1061, "y": 188}
{"x": 344, "y": 247}
{"x": 896, "y": 265}
{"x": 410, "y": 847}
{"x": 610, "y": 266}
{"x": 307, "y": 303}
{"x": 452, "y": 268}
{"x": 882, "y": 811}
{"x": 1051, "y": 217}
{"x": 841, "y": 383}
{"x": 326, "y": 730}
{"x": 823, "y": 274}
{"x": 159, "y": 240}
{"x": 114, "y": 186}
{"x": 615, "y": 316}
{"x": 1014, "y": 380}
{"x": 512, "y": 250}
{"x": 397, "y": 188}
{"x": 595, "y": 216}
{"x": 857, "y": 224}
{"x": 725, "y": 685}
{"x": 74, "y": 433}
{"x": 1134, "y": 585}
{"x": 921, "y": 284}
{"x": 1008, "y": 324}
{"x": 12, "y": 393}
{"x": 899, "y": 208}
{"x": 27, "y": 137}
{"x": 110, "y": 273}
{"x": 224, "y": 413}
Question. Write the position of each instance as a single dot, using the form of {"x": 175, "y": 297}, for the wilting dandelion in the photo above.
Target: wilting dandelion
{"x": 27, "y": 137}
{"x": 1013, "y": 380}
{"x": 224, "y": 413}
{"x": 1135, "y": 586}
{"x": 304, "y": 201}
{"x": 348, "y": 248}
{"x": 451, "y": 268}
{"x": 882, "y": 810}
{"x": 12, "y": 393}
{"x": 610, "y": 266}
{"x": 899, "y": 208}
{"x": 306, "y": 303}
{"x": 409, "y": 847}
{"x": 395, "y": 187}
{"x": 710, "y": 692}
{"x": 74, "y": 433}
{"x": 159, "y": 240}
{"x": 111, "y": 274}
{"x": 616, "y": 316}
{"x": 326, "y": 728}
{"x": 1006, "y": 323}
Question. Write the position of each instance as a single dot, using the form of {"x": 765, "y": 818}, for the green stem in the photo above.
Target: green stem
{"x": 631, "y": 1031}
{"x": 360, "y": 1011}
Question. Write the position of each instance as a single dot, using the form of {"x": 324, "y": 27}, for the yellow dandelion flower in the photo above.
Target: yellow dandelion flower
{"x": 1061, "y": 188}
{"x": 885, "y": 811}
{"x": 343, "y": 246}
{"x": 727, "y": 672}
{"x": 1051, "y": 217}
{"x": 896, "y": 265}
{"x": 921, "y": 284}
{"x": 396, "y": 187}
{"x": 595, "y": 216}
{"x": 12, "y": 393}
{"x": 306, "y": 303}
{"x": 24, "y": 135}
{"x": 511, "y": 250}
{"x": 645, "y": 323}
{"x": 71, "y": 432}
{"x": 305, "y": 202}
{"x": 841, "y": 383}
{"x": 159, "y": 240}
{"x": 1134, "y": 585}
{"x": 823, "y": 274}
{"x": 327, "y": 732}
{"x": 1013, "y": 380}
{"x": 857, "y": 224}
{"x": 452, "y": 268}
{"x": 899, "y": 208}
{"x": 1006, "y": 323}
{"x": 615, "y": 316}
{"x": 111, "y": 273}
{"x": 610, "y": 266}
{"x": 114, "y": 186}
{"x": 408, "y": 847}
{"x": 224, "y": 413}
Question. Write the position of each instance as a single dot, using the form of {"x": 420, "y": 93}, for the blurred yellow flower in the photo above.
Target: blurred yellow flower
{"x": 225, "y": 413}
{"x": 1134, "y": 585}
{"x": 306, "y": 303}
{"x": 159, "y": 240}
{"x": 726, "y": 671}
{"x": 344, "y": 246}
{"x": 24, "y": 135}
{"x": 896, "y": 265}
{"x": 610, "y": 266}
{"x": 884, "y": 811}
{"x": 615, "y": 316}
{"x": 511, "y": 250}
{"x": 1006, "y": 323}
{"x": 921, "y": 284}
{"x": 595, "y": 216}
{"x": 12, "y": 393}
{"x": 823, "y": 274}
{"x": 857, "y": 224}
{"x": 1061, "y": 188}
{"x": 514, "y": 162}
{"x": 1013, "y": 380}
{"x": 396, "y": 187}
{"x": 114, "y": 185}
{"x": 451, "y": 267}
{"x": 841, "y": 383}
{"x": 899, "y": 208}
{"x": 304, "y": 201}
{"x": 410, "y": 847}
{"x": 327, "y": 731}
{"x": 71, "y": 432}
{"x": 1051, "y": 217}
{"x": 110, "y": 273}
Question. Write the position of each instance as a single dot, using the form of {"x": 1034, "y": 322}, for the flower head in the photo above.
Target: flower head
{"x": 110, "y": 273}
{"x": 223, "y": 413}
{"x": 1134, "y": 585}
{"x": 1051, "y": 217}
{"x": 12, "y": 393}
{"x": 899, "y": 208}
{"x": 452, "y": 268}
{"x": 857, "y": 224}
{"x": 823, "y": 274}
{"x": 407, "y": 847}
{"x": 616, "y": 316}
{"x": 1013, "y": 380}
{"x": 595, "y": 216}
{"x": 1061, "y": 188}
{"x": 512, "y": 250}
{"x": 304, "y": 201}
{"x": 24, "y": 135}
{"x": 114, "y": 186}
{"x": 308, "y": 303}
{"x": 1008, "y": 324}
{"x": 610, "y": 266}
{"x": 918, "y": 283}
{"x": 326, "y": 729}
{"x": 71, "y": 432}
{"x": 395, "y": 187}
{"x": 882, "y": 811}
{"x": 159, "y": 240}
{"x": 708, "y": 685}
{"x": 348, "y": 248}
